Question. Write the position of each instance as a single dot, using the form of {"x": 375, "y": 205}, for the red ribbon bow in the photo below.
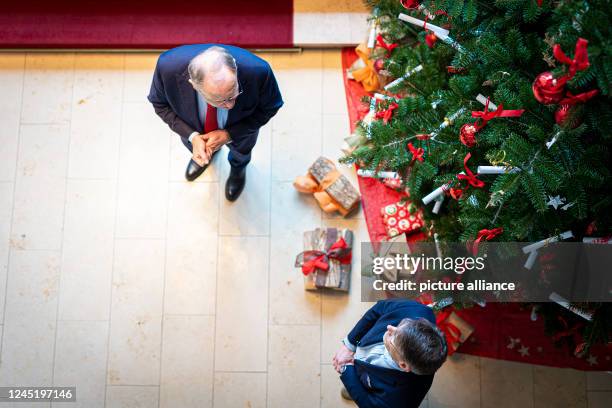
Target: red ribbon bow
{"x": 469, "y": 176}
{"x": 580, "y": 61}
{"x": 580, "y": 98}
{"x": 386, "y": 114}
{"x": 455, "y": 193}
{"x": 487, "y": 234}
{"x": 573, "y": 333}
{"x": 313, "y": 260}
{"x": 381, "y": 43}
{"x": 487, "y": 115}
{"x": 417, "y": 153}
{"x": 451, "y": 332}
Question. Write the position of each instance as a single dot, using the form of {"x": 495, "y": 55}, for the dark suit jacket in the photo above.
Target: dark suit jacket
{"x": 175, "y": 100}
{"x": 375, "y": 387}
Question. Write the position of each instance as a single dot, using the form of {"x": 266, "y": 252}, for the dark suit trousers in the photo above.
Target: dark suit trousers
{"x": 240, "y": 150}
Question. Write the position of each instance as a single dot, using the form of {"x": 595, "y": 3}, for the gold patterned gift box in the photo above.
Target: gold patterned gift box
{"x": 326, "y": 260}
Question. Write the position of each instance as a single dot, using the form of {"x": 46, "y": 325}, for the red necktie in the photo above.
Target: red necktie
{"x": 210, "y": 123}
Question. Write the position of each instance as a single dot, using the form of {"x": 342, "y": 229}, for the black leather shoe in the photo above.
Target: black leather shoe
{"x": 235, "y": 184}
{"x": 194, "y": 170}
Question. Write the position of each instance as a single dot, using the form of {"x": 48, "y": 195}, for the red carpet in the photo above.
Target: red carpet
{"x": 153, "y": 24}
{"x": 496, "y": 324}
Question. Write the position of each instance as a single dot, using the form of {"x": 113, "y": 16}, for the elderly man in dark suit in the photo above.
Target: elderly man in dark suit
{"x": 390, "y": 357}
{"x": 213, "y": 95}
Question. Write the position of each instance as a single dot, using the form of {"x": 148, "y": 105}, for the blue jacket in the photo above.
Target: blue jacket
{"x": 175, "y": 100}
{"x": 375, "y": 387}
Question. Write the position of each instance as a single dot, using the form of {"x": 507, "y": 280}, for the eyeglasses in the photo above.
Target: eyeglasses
{"x": 224, "y": 101}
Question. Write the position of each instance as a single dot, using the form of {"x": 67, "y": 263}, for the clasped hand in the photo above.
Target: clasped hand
{"x": 205, "y": 145}
{"x": 343, "y": 357}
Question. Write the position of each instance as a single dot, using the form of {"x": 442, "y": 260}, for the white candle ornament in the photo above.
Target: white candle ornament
{"x": 561, "y": 301}
{"x": 483, "y": 99}
{"x": 447, "y": 122}
{"x": 404, "y": 77}
{"x": 438, "y": 204}
{"x": 496, "y": 170}
{"x": 553, "y": 140}
{"x": 531, "y": 259}
{"x": 540, "y": 244}
{"x": 434, "y": 194}
{"x": 440, "y": 32}
{"x": 372, "y": 36}
{"x": 374, "y": 174}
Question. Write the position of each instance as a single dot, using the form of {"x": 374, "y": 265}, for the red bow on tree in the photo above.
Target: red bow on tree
{"x": 469, "y": 176}
{"x": 487, "y": 234}
{"x": 565, "y": 104}
{"x": 313, "y": 260}
{"x": 580, "y": 98}
{"x": 580, "y": 61}
{"x": 487, "y": 115}
{"x": 573, "y": 334}
{"x": 455, "y": 193}
{"x": 386, "y": 114}
{"x": 381, "y": 43}
{"x": 417, "y": 153}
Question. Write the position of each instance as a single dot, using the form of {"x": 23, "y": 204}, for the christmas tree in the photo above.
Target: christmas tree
{"x": 498, "y": 119}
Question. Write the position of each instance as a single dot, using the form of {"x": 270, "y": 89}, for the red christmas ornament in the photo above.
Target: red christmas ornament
{"x": 422, "y": 136}
{"x": 379, "y": 64}
{"x": 455, "y": 70}
{"x": 561, "y": 116}
{"x": 547, "y": 89}
{"x": 410, "y": 4}
{"x": 591, "y": 228}
{"x": 456, "y": 193}
{"x": 467, "y": 134}
{"x": 430, "y": 39}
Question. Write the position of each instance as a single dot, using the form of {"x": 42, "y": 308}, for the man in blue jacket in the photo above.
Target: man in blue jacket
{"x": 213, "y": 95}
{"x": 390, "y": 357}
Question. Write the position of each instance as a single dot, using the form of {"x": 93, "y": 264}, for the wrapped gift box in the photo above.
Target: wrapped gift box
{"x": 326, "y": 260}
{"x": 402, "y": 217}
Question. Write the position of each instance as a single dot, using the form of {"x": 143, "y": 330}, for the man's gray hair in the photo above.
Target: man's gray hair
{"x": 210, "y": 61}
{"x": 421, "y": 344}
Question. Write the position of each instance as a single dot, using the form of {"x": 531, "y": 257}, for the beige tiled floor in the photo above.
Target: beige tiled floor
{"x": 143, "y": 290}
{"x": 338, "y": 23}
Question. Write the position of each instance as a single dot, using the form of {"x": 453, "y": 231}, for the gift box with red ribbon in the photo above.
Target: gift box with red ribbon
{"x": 326, "y": 260}
{"x": 455, "y": 329}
